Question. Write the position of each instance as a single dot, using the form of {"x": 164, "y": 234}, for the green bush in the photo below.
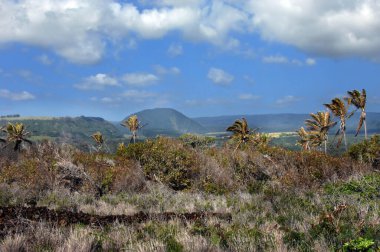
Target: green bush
{"x": 367, "y": 187}
{"x": 366, "y": 151}
{"x": 167, "y": 161}
{"x": 196, "y": 141}
{"x": 359, "y": 244}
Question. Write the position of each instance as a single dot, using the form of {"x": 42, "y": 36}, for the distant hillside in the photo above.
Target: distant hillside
{"x": 77, "y": 130}
{"x": 166, "y": 121}
{"x": 281, "y": 122}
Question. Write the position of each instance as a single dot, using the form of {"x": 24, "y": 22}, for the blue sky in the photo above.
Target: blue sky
{"x": 111, "y": 58}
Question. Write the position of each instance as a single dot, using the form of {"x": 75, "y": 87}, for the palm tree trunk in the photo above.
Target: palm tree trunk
{"x": 365, "y": 129}
{"x": 345, "y": 139}
{"x": 326, "y": 146}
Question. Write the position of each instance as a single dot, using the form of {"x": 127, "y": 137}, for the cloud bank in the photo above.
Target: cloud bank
{"x": 330, "y": 28}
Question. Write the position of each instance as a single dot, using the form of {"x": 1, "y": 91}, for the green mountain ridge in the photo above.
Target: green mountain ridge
{"x": 76, "y": 130}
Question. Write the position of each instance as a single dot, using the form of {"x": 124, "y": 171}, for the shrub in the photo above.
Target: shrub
{"x": 366, "y": 151}
{"x": 167, "y": 161}
{"x": 359, "y": 244}
{"x": 197, "y": 141}
{"x": 367, "y": 187}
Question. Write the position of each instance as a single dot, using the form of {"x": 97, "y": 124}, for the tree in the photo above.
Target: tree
{"x": 359, "y": 100}
{"x": 304, "y": 140}
{"x": 17, "y": 134}
{"x": 320, "y": 123}
{"x": 99, "y": 140}
{"x": 339, "y": 109}
{"x": 241, "y": 132}
{"x": 134, "y": 125}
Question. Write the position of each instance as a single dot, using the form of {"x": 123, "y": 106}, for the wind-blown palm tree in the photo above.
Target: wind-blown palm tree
{"x": 320, "y": 123}
{"x": 134, "y": 125}
{"x": 99, "y": 140}
{"x": 240, "y": 131}
{"x": 305, "y": 140}
{"x": 359, "y": 100}
{"x": 17, "y": 135}
{"x": 339, "y": 109}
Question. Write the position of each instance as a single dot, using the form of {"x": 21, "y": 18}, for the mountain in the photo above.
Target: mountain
{"x": 281, "y": 122}
{"x": 166, "y": 121}
{"x": 76, "y": 130}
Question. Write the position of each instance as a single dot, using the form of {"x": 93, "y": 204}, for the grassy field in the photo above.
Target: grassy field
{"x": 267, "y": 199}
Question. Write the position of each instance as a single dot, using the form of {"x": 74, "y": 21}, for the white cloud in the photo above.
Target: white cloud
{"x": 44, "y": 59}
{"x": 160, "y": 70}
{"x": 247, "y": 96}
{"x": 97, "y": 82}
{"x": 175, "y": 50}
{"x": 276, "y": 59}
{"x": 331, "y": 28}
{"x": 219, "y": 76}
{"x": 22, "y": 96}
{"x": 83, "y": 40}
{"x": 140, "y": 79}
{"x": 310, "y": 62}
{"x": 287, "y": 100}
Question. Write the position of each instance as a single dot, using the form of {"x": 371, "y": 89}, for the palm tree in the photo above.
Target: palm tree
{"x": 99, "y": 140}
{"x": 134, "y": 125}
{"x": 305, "y": 140}
{"x": 339, "y": 109}
{"x": 17, "y": 134}
{"x": 240, "y": 131}
{"x": 359, "y": 100}
{"x": 320, "y": 123}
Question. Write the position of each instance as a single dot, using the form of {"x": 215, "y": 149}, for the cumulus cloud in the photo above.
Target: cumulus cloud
{"x": 140, "y": 79}
{"x": 97, "y": 82}
{"x": 22, "y": 96}
{"x": 83, "y": 40}
{"x": 287, "y": 100}
{"x": 219, "y": 76}
{"x": 331, "y": 28}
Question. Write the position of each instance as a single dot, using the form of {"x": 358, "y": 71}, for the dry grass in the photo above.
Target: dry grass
{"x": 279, "y": 200}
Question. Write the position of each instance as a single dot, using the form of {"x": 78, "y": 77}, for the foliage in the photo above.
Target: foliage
{"x": 133, "y": 124}
{"x": 241, "y": 133}
{"x": 339, "y": 109}
{"x": 167, "y": 161}
{"x": 367, "y": 187}
{"x": 359, "y": 100}
{"x": 99, "y": 140}
{"x": 367, "y": 150}
{"x": 17, "y": 134}
{"x": 196, "y": 141}
{"x": 360, "y": 244}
